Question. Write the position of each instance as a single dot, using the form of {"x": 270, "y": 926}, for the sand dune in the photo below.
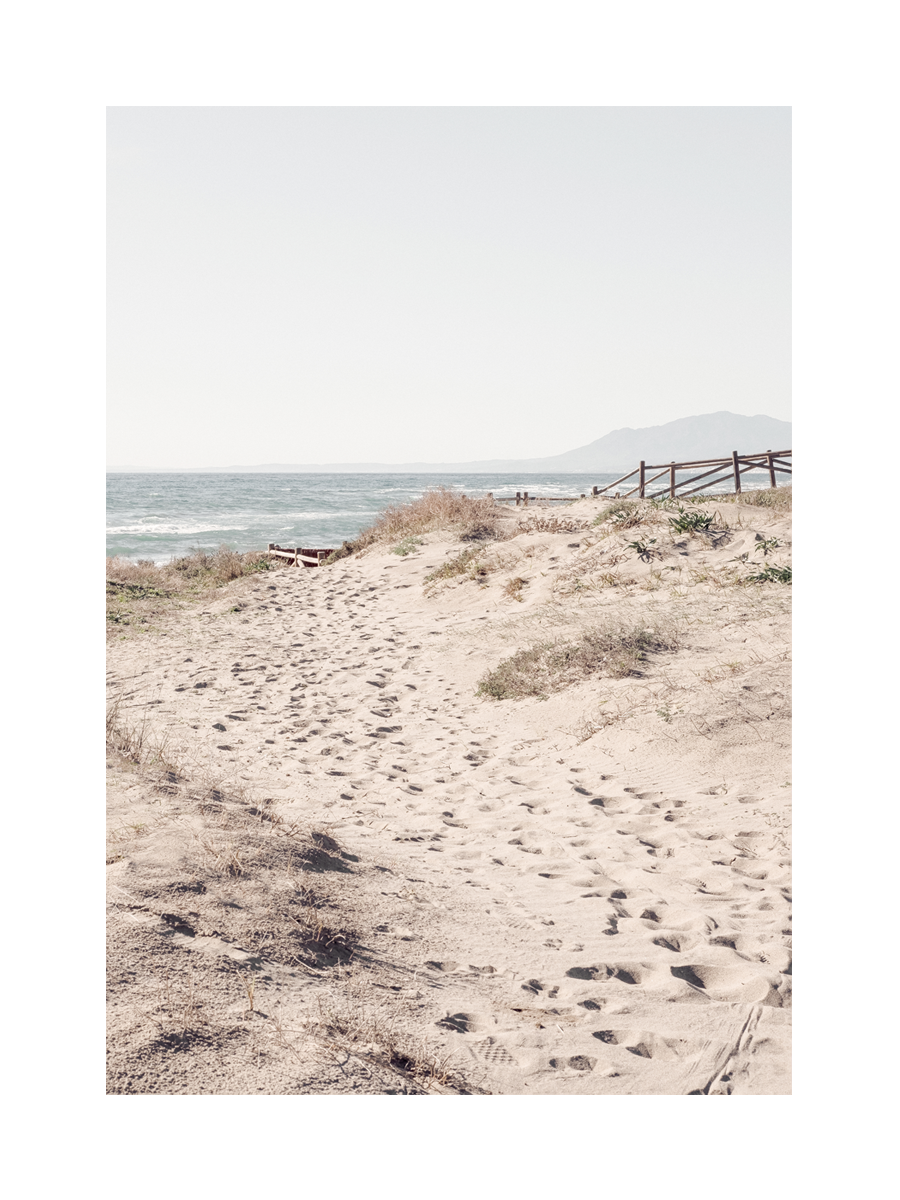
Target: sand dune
{"x": 586, "y": 892}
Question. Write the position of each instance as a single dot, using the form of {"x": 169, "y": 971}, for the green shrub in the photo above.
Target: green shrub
{"x": 770, "y": 575}
{"x": 691, "y": 521}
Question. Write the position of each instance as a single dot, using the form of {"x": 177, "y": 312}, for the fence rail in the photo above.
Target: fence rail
{"x": 773, "y": 461}
{"x": 525, "y": 499}
{"x": 299, "y": 554}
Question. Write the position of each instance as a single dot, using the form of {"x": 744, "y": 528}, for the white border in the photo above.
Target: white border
{"x": 63, "y": 65}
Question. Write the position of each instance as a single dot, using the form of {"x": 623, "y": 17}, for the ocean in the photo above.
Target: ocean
{"x": 157, "y": 516}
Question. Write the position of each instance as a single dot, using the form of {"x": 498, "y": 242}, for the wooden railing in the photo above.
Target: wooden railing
{"x": 737, "y": 465}
{"x": 524, "y": 498}
{"x": 299, "y": 554}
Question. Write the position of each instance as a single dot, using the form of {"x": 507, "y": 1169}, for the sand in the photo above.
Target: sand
{"x": 587, "y": 893}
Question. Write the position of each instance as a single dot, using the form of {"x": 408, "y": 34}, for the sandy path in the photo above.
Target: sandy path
{"x": 608, "y": 915}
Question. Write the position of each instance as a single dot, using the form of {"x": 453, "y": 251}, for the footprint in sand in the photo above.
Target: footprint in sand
{"x": 494, "y": 1053}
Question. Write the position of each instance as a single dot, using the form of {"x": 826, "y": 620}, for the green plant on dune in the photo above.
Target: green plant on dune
{"x": 406, "y": 546}
{"x": 770, "y": 575}
{"x": 642, "y": 549}
{"x": 343, "y": 551}
{"x": 691, "y": 521}
{"x": 620, "y": 514}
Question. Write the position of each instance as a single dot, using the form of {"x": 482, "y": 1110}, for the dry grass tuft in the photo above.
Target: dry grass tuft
{"x": 585, "y": 729}
{"x": 132, "y": 741}
{"x": 623, "y": 514}
{"x": 776, "y": 498}
{"x": 370, "y": 1030}
{"x": 470, "y": 564}
{"x": 551, "y": 525}
{"x": 513, "y": 588}
{"x": 190, "y": 572}
{"x": 438, "y": 509}
{"x": 136, "y": 591}
{"x": 551, "y": 666}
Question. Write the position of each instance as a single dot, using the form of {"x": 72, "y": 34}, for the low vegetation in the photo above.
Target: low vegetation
{"x": 778, "y": 498}
{"x": 438, "y": 509}
{"x": 552, "y": 525}
{"x": 621, "y": 514}
{"x": 644, "y": 550}
{"x": 372, "y": 1030}
{"x": 770, "y": 575}
{"x": 135, "y": 591}
{"x": 191, "y": 572}
{"x": 539, "y": 670}
{"x": 513, "y": 588}
{"x": 470, "y": 563}
{"x": 691, "y": 521}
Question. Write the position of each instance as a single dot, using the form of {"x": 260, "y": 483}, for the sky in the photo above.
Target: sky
{"x": 314, "y": 285}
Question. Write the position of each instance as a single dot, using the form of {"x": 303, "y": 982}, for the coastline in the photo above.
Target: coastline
{"x": 580, "y": 891}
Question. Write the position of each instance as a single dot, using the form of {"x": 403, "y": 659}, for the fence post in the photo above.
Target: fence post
{"x": 771, "y": 469}
{"x": 518, "y": 499}
{"x": 672, "y": 482}
{"x": 737, "y": 472}
{"x": 641, "y": 479}
{"x": 526, "y": 499}
{"x": 594, "y": 490}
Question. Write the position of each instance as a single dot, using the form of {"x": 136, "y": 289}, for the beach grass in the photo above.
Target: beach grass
{"x": 135, "y": 591}
{"x": 549, "y": 666}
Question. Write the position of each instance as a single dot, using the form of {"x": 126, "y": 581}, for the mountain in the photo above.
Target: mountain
{"x": 713, "y": 435}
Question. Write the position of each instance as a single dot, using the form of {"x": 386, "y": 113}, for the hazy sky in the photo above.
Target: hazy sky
{"x": 395, "y": 284}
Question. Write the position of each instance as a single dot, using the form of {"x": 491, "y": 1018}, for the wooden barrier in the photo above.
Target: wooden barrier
{"x": 299, "y": 554}
{"x": 773, "y": 461}
{"x": 524, "y": 498}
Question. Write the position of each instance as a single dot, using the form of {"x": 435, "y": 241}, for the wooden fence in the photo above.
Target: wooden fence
{"x": 773, "y": 461}
{"x": 736, "y": 465}
{"x": 524, "y": 498}
{"x": 299, "y": 554}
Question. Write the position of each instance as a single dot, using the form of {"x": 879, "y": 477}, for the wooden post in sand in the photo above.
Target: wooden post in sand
{"x": 771, "y": 469}
{"x": 737, "y": 472}
{"x": 518, "y": 499}
{"x": 271, "y": 546}
{"x": 672, "y": 481}
{"x": 526, "y": 499}
{"x": 643, "y": 470}
{"x": 594, "y": 490}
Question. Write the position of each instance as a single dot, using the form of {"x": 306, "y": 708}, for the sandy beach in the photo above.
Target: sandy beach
{"x": 505, "y": 812}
